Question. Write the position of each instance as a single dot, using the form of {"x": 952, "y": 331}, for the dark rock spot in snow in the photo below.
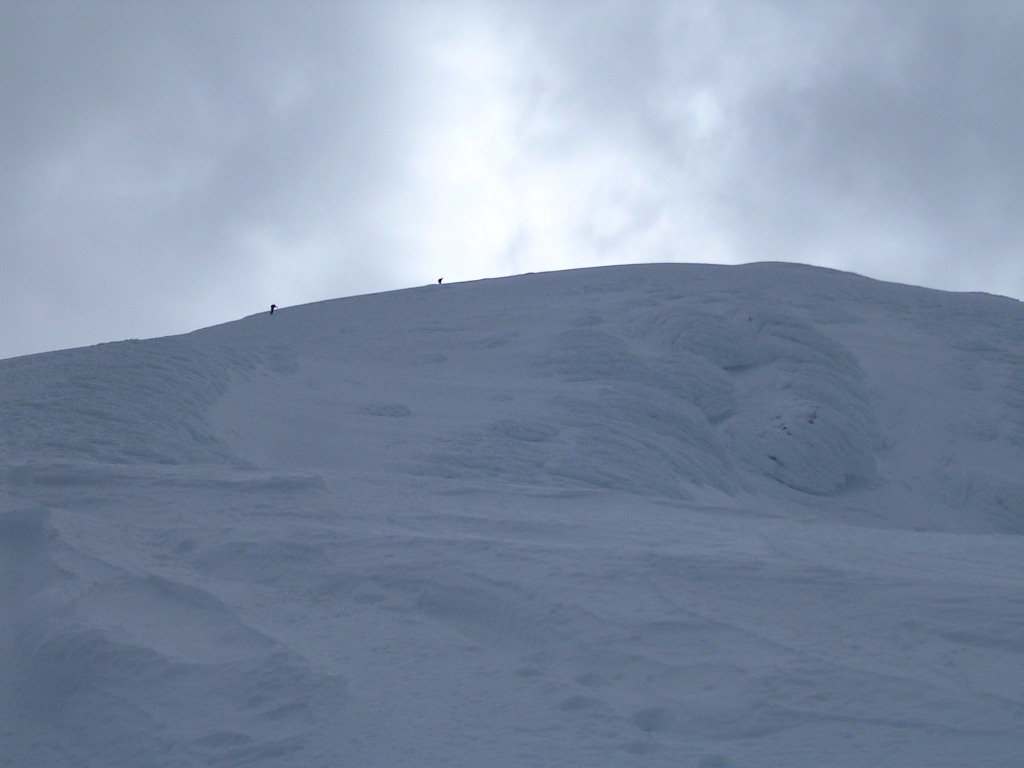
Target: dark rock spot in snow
{"x": 652, "y": 719}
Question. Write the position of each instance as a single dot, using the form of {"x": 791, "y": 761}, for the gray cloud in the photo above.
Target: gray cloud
{"x": 905, "y": 148}
{"x": 173, "y": 165}
{"x": 872, "y": 136}
{"x": 165, "y": 156}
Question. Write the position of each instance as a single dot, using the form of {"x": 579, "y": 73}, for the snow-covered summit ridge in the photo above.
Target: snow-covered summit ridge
{"x": 652, "y": 379}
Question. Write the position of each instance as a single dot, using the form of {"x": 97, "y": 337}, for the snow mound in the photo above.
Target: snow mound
{"x": 87, "y": 642}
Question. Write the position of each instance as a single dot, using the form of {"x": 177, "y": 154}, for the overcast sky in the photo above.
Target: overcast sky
{"x": 171, "y": 165}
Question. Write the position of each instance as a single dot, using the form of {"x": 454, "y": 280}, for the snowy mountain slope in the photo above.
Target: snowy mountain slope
{"x": 654, "y": 515}
{"x": 656, "y": 379}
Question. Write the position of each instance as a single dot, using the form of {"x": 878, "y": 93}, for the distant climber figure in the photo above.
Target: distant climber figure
{"x": 272, "y": 308}
{"x": 439, "y": 280}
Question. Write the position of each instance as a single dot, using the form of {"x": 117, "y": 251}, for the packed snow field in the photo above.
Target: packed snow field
{"x": 662, "y": 515}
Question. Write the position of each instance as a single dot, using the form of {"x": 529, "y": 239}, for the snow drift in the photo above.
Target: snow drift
{"x": 653, "y": 515}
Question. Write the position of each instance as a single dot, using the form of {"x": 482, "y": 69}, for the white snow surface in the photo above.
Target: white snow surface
{"x": 658, "y": 515}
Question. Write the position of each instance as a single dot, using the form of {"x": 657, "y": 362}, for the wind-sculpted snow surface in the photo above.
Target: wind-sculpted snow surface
{"x": 129, "y": 402}
{"x": 663, "y": 515}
